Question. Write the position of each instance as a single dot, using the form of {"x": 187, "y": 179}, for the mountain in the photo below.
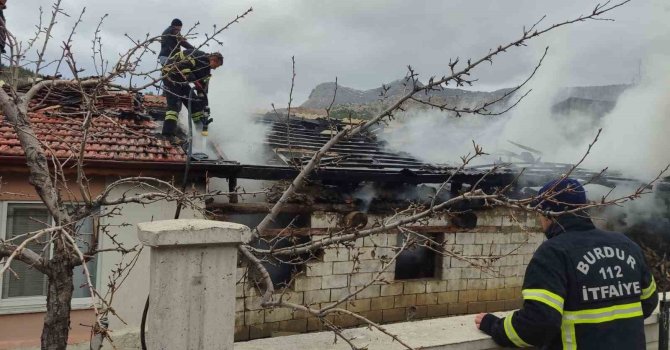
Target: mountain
{"x": 322, "y": 95}
{"x": 607, "y": 93}
{"x": 356, "y": 100}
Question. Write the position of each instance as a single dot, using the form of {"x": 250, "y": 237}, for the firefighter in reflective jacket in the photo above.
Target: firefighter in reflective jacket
{"x": 584, "y": 288}
{"x": 183, "y": 68}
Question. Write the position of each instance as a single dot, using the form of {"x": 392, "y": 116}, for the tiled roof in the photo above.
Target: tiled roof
{"x": 112, "y": 136}
{"x": 154, "y": 101}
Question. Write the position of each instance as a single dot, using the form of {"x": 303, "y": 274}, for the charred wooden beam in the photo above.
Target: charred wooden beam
{"x": 263, "y": 208}
{"x": 355, "y": 219}
{"x": 464, "y": 217}
{"x": 397, "y": 174}
{"x": 232, "y": 187}
{"x": 418, "y": 229}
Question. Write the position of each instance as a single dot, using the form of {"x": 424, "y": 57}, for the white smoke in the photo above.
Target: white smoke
{"x": 236, "y": 129}
{"x": 634, "y": 137}
{"x": 436, "y": 137}
{"x": 531, "y": 123}
{"x": 634, "y": 134}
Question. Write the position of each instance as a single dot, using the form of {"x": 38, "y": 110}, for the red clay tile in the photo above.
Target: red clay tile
{"x": 108, "y": 138}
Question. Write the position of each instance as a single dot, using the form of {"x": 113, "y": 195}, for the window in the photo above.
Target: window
{"x": 24, "y": 285}
{"x": 25, "y": 281}
{"x": 418, "y": 260}
{"x": 281, "y": 271}
{"x": 84, "y": 239}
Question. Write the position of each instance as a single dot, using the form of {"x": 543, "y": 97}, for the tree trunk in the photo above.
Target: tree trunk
{"x": 59, "y": 268}
{"x": 59, "y": 297}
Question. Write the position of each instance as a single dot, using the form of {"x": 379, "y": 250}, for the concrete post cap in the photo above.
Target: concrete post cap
{"x": 190, "y": 232}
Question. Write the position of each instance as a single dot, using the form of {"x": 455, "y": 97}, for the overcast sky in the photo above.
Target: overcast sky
{"x": 367, "y": 43}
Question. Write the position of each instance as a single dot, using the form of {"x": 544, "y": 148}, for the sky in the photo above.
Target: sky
{"x": 363, "y": 43}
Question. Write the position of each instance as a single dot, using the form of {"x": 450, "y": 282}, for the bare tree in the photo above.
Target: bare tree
{"x": 48, "y": 177}
{"x": 49, "y": 173}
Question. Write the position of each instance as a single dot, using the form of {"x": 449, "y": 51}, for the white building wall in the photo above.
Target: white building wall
{"x": 129, "y": 299}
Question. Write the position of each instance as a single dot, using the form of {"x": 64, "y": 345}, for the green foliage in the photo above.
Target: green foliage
{"x": 22, "y": 72}
{"x": 346, "y": 112}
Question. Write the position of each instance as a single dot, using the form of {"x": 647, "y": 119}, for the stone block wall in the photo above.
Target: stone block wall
{"x": 500, "y": 247}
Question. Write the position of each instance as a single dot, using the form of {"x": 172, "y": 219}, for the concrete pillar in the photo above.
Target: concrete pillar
{"x": 192, "y": 283}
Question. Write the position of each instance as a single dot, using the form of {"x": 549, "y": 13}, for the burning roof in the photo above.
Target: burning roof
{"x": 359, "y": 158}
{"x": 363, "y": 157}
{"x": 123, "y": 130}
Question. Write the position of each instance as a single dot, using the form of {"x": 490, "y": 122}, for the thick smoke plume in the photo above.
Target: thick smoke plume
{"x": 236, "y": 129}
{"x": 634, "y": 137}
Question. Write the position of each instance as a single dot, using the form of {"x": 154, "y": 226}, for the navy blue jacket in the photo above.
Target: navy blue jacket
{"x": 584, "y": 288}
{"x": 171, "y": 42}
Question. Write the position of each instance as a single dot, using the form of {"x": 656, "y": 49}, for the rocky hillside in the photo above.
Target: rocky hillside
{"x": 607, "y": 93}
{"x": 363, "y": 100}
{"x": 322, "y": 95}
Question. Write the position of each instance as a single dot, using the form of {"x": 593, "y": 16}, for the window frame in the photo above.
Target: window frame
{"x": 437, "y": 259}
{"x": 33, "y": 304}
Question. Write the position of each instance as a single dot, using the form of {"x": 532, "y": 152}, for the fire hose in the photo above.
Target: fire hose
{"x": 187, "y": 168}
{"x": 664, "y": 322}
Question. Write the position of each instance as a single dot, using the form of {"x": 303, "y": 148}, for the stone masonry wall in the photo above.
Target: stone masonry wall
{"x": 503, "y": 240}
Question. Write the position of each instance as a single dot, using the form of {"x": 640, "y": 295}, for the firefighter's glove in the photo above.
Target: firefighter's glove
{"x": 207, "y": 121}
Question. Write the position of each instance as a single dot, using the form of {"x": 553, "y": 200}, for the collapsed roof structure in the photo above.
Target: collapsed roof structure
{"x": 125, "y": 132}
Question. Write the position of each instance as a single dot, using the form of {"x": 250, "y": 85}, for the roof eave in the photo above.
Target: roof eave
{"x": 99, "y": 166}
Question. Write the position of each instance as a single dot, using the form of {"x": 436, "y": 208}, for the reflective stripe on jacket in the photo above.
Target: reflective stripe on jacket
{"x": 188, "y": 66}
{"x": 584, "y": 288}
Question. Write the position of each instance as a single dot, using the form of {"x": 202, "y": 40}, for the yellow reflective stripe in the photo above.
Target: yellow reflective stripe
{"x": 590, "y": 316}
{"x": 568, "y": 336}
{"x": 182, "y": 57}
{"x": 186, "y": 71}
{"x": 512, "y": 334}
{"x": 196, "y": 116}
{"x": 605, "y": 314}
{"x": 171, "y": 115}
{"x": 649, "y": 291}
{"x": 544, "y": 296}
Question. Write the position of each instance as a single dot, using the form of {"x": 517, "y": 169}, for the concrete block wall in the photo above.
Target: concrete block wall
{"x": 446, "y": 333}
{"x": 500, "y": 247}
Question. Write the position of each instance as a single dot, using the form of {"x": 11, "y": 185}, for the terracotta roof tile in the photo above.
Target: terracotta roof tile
{"x": 110, "y": 137}
{"x": 154, "y": 101}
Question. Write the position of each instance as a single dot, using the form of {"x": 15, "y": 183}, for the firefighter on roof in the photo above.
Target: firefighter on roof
{"x": 172, "y": 41}
{"x": 182, "y": 69}
{"x": 584, "y": 288}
